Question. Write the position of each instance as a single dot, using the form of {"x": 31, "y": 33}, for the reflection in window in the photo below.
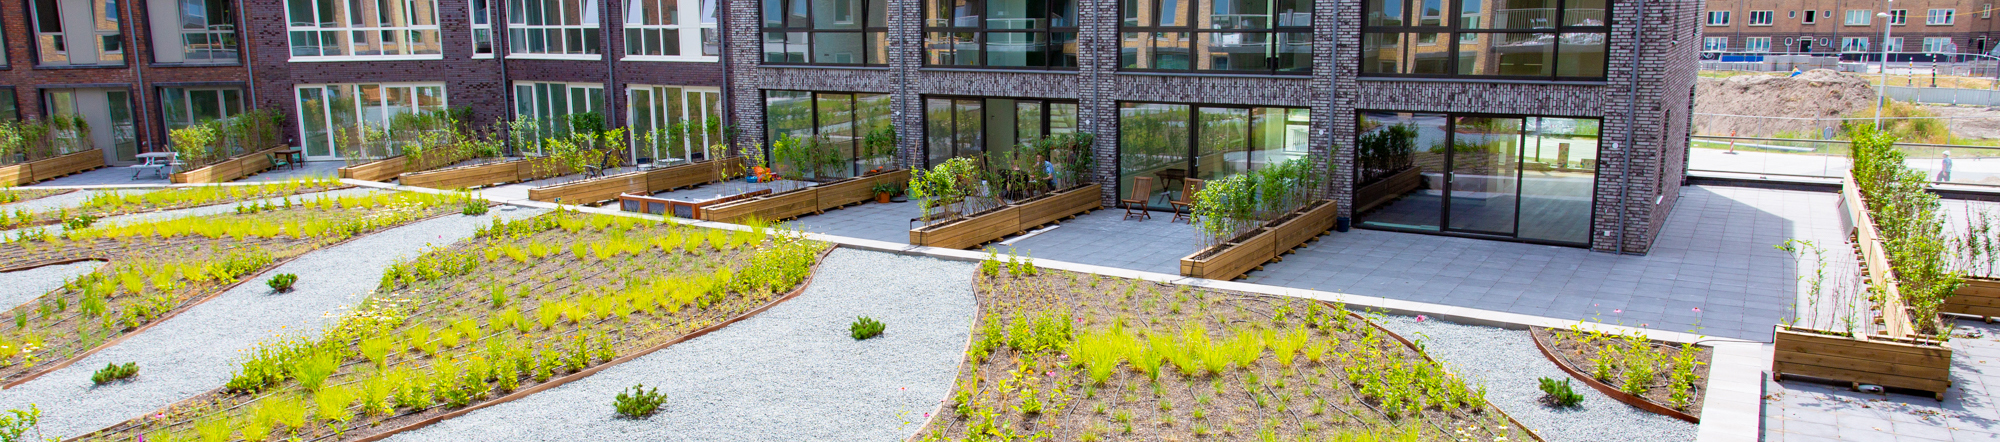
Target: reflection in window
{"x": 840, "y": 32}
{"x": 99, "y": 43}
{"x": 670, "y": 28}
{"x": 183, "y": 107}
{"x": 675, "y": 123}
{"x": 329, "y": 112}
{"x": 969, "y": 126}
{"x": 551, "y": 104}
{"x": 203, "y": 31}
{"x": 1217, "y": 35}
{"x": 844, "y": 121}
{"x": 1529, "y": 178}
{"x": 1036, "y": 34}
{"x": 1555, "y": 39}
{"x": 1174, "y": 142}
{"x": 552, "y": 27}
{"x": 363, "y": 28}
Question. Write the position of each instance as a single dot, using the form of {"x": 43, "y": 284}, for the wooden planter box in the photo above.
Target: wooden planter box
{"x": 1012, "y": 219}
{"x": 645, "y": 182}
{"x": 857, "y": 190}
{"x": 481, "y": 175}
{"x": 1382, "y": 192}
{"x": 231, "y": 169}
{"x": 774, "y": 207}
{"x": 1975, "y": 297}
{"x": 51, "y": 168}
{"x": 1915, "y": 364}
{"x": 381, "y": 170}
{"x": 1271, "y": 242}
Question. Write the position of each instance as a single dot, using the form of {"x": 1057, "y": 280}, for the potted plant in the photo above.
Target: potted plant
{"x": 885, "y": 190}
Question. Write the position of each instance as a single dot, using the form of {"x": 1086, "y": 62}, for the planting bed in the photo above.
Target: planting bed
{"x": 21, "y": 286}
{"x": 1671, "y": 378}
{"x": 107, "y": 204}
{"x": 538, "y": 301}
{"x": 156, "y": 269}
{"x": 1068, "y": 356}
{"x": 14, "y": 195}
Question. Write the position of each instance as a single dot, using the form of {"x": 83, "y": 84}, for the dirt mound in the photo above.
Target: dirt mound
{"x": 1808, "y": 102}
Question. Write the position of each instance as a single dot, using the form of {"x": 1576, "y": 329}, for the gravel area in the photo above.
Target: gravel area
{"x": 789, "y": 374}
{"x": 8, "y": 235}
{"x": 196, "y": 352}
{"x": 71, "y": 199}
{"x": 1507, "y": 363}
{"x": 26, "y": 285}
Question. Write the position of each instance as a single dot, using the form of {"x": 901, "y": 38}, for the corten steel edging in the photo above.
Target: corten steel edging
{"x": 1627, "y": 398}
{"x": 972, "y": 332}
{"x": 170, "y": 209}
{"x": 184, "y": 308}
{"x": 1427, "y": 358}
{"x": 557, "y": 382}
{"x": 51, "y": 263}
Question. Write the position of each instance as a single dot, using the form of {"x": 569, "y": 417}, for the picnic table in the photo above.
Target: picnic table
{"x": 161, "y": 163}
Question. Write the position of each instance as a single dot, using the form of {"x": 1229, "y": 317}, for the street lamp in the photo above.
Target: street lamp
{"x": 1881, "y": 91}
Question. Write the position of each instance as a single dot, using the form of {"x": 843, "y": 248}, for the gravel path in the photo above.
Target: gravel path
{"x": 1507, "y": 363}
{"x": 8, "y": 235}
{"x": 71, "y": 199}
{"x": 196, "y": 351}
{"x": 26, "y": 285}
{"x": 789, "y": 374}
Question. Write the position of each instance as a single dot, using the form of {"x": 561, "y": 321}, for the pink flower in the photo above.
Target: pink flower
{"x": 927, "y": 415}
{"x": 1421, "y": 318}
{"x": 1697, "y": 309}
{"x": 1642, "y": 324}
{"x": 1618, "y": 310}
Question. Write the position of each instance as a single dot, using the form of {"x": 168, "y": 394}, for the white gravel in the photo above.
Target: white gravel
{"x": 196, "y": 352}
{"x": 1507, "y": 363}
{"x": 26, "y": 285}
{"x": 789, "y": 374}
{"x": 9, "y": 235}
{"x": 71, "y": 199}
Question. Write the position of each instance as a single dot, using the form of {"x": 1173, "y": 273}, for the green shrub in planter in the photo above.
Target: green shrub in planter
{"x": 639, "y": 402}
{"x": 282, "y": 282}
{"x": 866, "y": 327}
{"x": 79, "y": 222}
{"x": 114, "y": 372}
{"x": 1559, "y": 393}
{"x": 474, "y": 207}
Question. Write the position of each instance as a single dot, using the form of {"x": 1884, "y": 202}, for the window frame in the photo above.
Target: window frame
{"x": 1847, "y": 45}
{"x": 1934, "y": 18}
{"x": 408, "y": 34}
{"x": 1770, "y": 18}
{"x": 1048, "y": 116}
{"x": 1452, "y": 31}
{"x": 1811, "y": 18}
{"x": 1191, "y": 32}
{"x": 692, "y": 27}
{"x": 1750, "y": 44}
{"x": 472, "y": 12}
{"x": 1713, "y": 14}
{"x": 708, "y": 139}
{"x": 1867, "y": 17}
{"x": 62, "y": 37}
{"x": 868, "y": 32}
{"x": 1708, "y": 44}
{"x": 1194, "y": 141}
{"x": 983, "y": 31}
{"x": 1899, "y": 17}
{"x": 545, "y": 129}
{"x": 227, "y": 31}
{"x": 354, "y": 89}
{"x": 1939, "y": 45}
{"x": 854, "y": 156}
{"x": 588, "y": 30}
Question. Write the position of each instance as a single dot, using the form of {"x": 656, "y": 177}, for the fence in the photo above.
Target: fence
{"x": 1943, "y": 163}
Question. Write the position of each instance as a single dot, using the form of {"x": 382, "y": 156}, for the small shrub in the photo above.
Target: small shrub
{"x": 639, "y": 402}
{"x": 865, "y": 327}
{"x": 114, "y": 372}
{"x": 79, "y": 222}
{"x": 282, "y": 282}
{"x": 474, "y": 207}
{"x": 1559, "y": 393}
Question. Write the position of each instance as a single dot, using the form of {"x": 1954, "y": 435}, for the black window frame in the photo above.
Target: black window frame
{"x": 1052, "y": 49}
{"x": 1444, "y": 214}
{"x": 854, "y": 157}
{"x": 1191, "y": 32}
{"x": 1454, "y": 28}
{"x": 869, "y": 33}
{"x": 1193, "y": 152}
{"x": 924, "y": 131}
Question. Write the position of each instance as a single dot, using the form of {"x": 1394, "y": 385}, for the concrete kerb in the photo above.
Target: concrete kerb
{"x": 1738, "y": 400}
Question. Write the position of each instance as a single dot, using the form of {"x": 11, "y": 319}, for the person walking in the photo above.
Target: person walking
{"x": 1944, "y": 175}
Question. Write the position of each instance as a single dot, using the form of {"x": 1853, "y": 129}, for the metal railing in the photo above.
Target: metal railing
{"x": 1793, "y": 157}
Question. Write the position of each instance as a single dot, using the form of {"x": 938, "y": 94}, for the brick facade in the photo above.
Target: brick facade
{"x": 1973, "y": 31}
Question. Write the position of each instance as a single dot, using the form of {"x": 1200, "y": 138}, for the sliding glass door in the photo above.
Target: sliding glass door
{"x": 1171, "y": 143}
{"x": 1529, "y": 178}
{"x": 974, "y": 126}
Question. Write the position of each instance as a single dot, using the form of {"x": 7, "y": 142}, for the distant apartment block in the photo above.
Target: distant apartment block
{"x": 1932, "y": 27}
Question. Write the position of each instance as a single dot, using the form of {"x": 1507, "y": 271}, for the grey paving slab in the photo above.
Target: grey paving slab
{"x": 881, "y": 222}
{"x": 1804, "y": 411}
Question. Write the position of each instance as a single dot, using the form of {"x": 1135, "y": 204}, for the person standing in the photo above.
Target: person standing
{"x": 1944, "y": 175}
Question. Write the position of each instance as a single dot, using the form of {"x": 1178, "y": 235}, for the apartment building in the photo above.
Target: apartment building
{"x": 1547, "y": 121}
{"x": 1850, "y": 26}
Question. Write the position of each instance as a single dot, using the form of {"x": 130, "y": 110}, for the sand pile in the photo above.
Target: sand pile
{"x": 1821, "y": 94}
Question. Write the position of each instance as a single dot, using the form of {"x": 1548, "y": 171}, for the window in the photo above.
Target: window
{"x": 105, "y": 111}
{"x": 1757, "y": 44}
{"x": 1170, "y": 142}
{"x": 674, "y": 123}
{"x": 551, "y": 104}
{"x": 1893, "y": 44}
{"x": 671, "y": 28}
{"x": 1715, "y": 43}
{"x": 838, "y": 119}
{"x": 1761, "y": 18}
{"x": 1859, "y": 17}
{"x": 971, "y": 126}
{"x": 553, "y": 28}
{"x": 1482, "y": 39}
{"x": 1939, "y": 45}
{"x": 1854, "y": 44}
{"x": 1899, "y": 17}
{"x": 193, "y": 31}
{"x": 1810, "y": 17}
{"x": 1033, "y": 34}
{"x": 1218, "y": 35}
{"x": 482, "y": 27}
{"x": 1718, "y": 18}
{"x": 337, "y": 30}
{"x": 1524, "y": 177}
{"x": 840, "y": 32}
{"x": 9, "y": 109}
{"x": 1938, "y": 17}
{"x": 329, "y": 113}
{"x": 56, "y": 43}
{"x": 183, "y": 107}
{"x": 1986, "y": 10}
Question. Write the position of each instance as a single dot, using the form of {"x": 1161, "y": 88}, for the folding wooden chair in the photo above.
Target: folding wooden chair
{"x": 1189, "y": 187}
{"x": 1142, "y": 191}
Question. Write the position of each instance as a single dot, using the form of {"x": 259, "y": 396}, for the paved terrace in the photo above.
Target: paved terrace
{"x": 123, "y": 176}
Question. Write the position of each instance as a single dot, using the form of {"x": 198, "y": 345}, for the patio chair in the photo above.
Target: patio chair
{"x": 1142, "y": 191}
{"x": 1189, "y": 187}
{"x": 277, "y": 161}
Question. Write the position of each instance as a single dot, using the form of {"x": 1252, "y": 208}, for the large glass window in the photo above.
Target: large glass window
{"x": 1251, "y": 36}
{"x": 193, "y": 31}
{"x": 1541, "y": 39}
{"x": 839, "y": 32}
{"x": 107, "y": 114}
{"x": 552, "y": 27}
{"x": 1174, "y": 142}
{"x": 670, "y": 28}
{"x": 675, "y": 123}
{"x": 183, "y": 107}
{"x": 363, "y": 28}
{"x": 482, "y": 27}
{"x": 77, "y": 32}
{"x": 841, "y": 120}
{"x": 329, "y": 112}
{"x": 972, "y": 126}
{"x": 1034, "y": 34}
{"x": 10, "y": 110}
{"x": 551, "y": 104}
{"x": 1522, "y": 177}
